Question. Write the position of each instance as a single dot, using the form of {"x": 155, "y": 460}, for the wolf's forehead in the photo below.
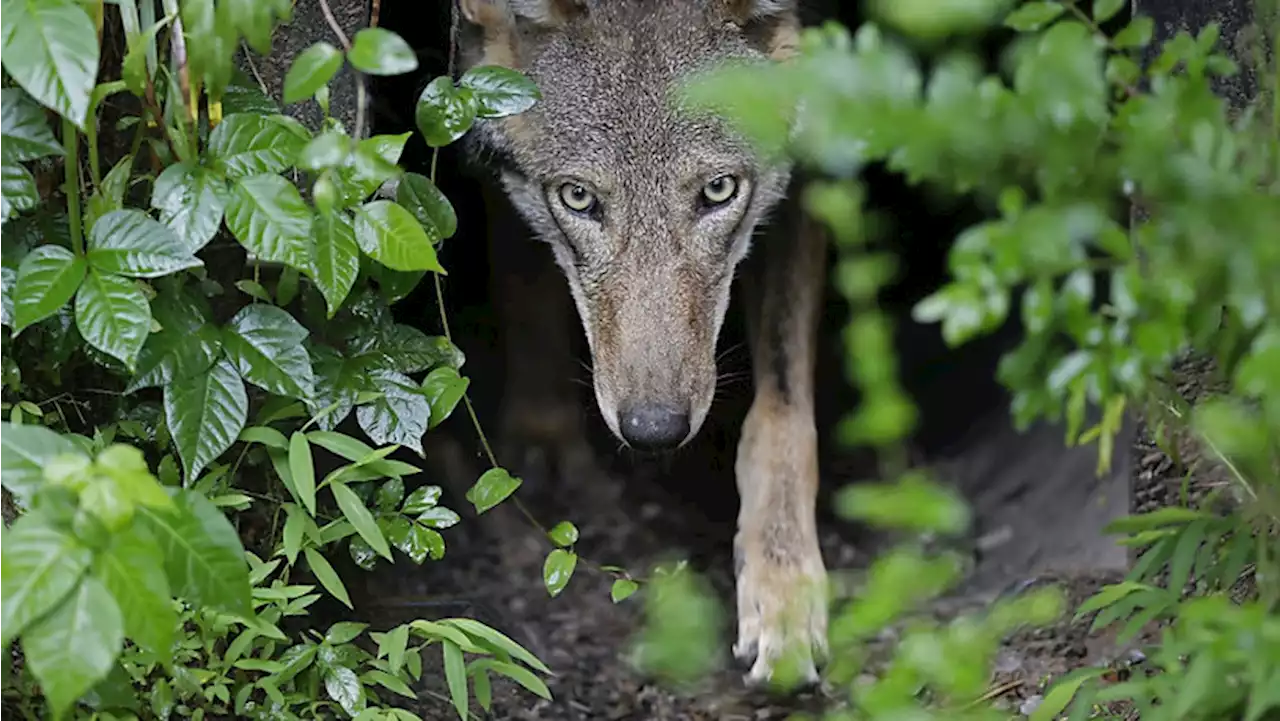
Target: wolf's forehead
{"x": 610, "y": 86}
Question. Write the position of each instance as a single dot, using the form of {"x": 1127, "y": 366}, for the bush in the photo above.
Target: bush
{"x": 185, "y": 329}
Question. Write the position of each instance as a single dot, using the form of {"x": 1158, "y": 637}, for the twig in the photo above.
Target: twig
{"x": 361, "y": 99}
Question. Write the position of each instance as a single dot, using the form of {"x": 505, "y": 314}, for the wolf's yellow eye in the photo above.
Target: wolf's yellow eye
{"x": 577, "y": 198}
{"x": 720, "y": 190}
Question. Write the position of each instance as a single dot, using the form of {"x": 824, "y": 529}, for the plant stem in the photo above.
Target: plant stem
{"x": 71, "y": 143}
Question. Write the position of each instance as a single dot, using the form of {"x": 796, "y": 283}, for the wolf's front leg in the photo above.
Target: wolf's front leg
{"x": 781, "y": 579}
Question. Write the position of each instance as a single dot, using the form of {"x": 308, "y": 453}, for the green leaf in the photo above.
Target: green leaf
{"x": 270, "y": 219}
{"x": 497, "y": 640}
{"x": 420, "y": 500}
{"x": 391, "y": 236}
{"x": 337, "y": 258}
{"x": 492, "y": 488}
{"x": 247, "y": 144}
{"x": 392, "y": 645}
{"x": 1104, "y": 10}
{"x": 558, "y": 569}
{"x": 265, "y": 344}
{"x": 205, "y": 413}
{"x": 1137, "y": 34}
{"x": 482, "y": 687}
{"x": 444, "y": 113}
{"x": 186, "y": 344}
{"x": 342, "y": 685}
{"x": 1063, "y": 690}
{"x": 428, "y": 204}
{"x": 109, "y": 195}
{"x": 325, "y": 151}
{"x": 392, "y": 683}
{"x": 18, "y": 191}
{"x": 191, "y": 200}
{"x": 1109, "y": 595}
{"x": 399, "y": 416}
{"x": 47, "y": 278}
{"x": 439, "y": 518}
{"x": 360, "y": 517}
{"x": 498, "y": 91}
{"x": 132, "y": 570}
{"x": 50, "y": 47}
{"x": 455, "y": 675}
{"x": 914, "y": 502}
{"x": 41, "y": 565}
{"x": 295, "y": 527}
{"x": 443, "y": 388}
{"x": 377, "y": 51}
{"x": 1031, "y": 16}
{"x": 563, "y": 534}
{"x": 409, "y": 350}
{"x": 389, "y": 495}
{"x": 128, "y": 242}
{"x": 204, "y": 560}
{"x": 302, "y": 469}
{"x": 113, "y": 315}
{"x": 311, "y": 70}
{"x": 25, "y": 129}
{"x": 622, "y": 589}
{"x": 344, "y": 632}
{"x": 520, "y": 675}
{"x": 327, "y": 576}
{"x": 24, "y": 452}
{"x": 75, "y": 646}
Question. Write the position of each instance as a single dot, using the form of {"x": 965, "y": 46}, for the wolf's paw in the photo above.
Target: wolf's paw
{"x": 782, "y": 621}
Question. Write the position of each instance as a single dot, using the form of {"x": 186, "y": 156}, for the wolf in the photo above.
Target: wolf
{"x": 649, "y": 212}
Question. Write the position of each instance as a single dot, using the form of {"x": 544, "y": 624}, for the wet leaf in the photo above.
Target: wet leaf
{"x": 310, "y": 71}
{"x": 493, "y": 487}
{"x": 205, "y": 414}
{"x": 558, "y": 569}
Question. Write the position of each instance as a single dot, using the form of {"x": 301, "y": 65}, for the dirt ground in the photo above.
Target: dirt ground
{"x": 1040, "y": 510}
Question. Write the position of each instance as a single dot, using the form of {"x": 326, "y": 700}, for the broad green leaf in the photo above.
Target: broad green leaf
{"x": 203, "y": 557}
{"x": 455, "y": 674}
{"x": 1136, "y": 34}
{"x": 26, "y": 133}
{"x": 129, "y": 242}
{"x": 1031, "y": 16}
{"x": 428, "y": 204}
{"x": 360, "y": 517}
{"x": 295, "y": 527}
{"x": 389, "y": 495}
{"x": 409, "y": 350}
{"x": 50, "y": 47}
{"x": 247, "y": 144}
{"x": 391, "y": 683}
{"x": 420, "y": 500}
{"x": 310, "y": 71}
{"x": 493, "y": 487}
{"x": 415, "y": 540}
{"x": 622, "y": 589}
{"x": 191, "y": 200}
{"x": 344, "y": 632}
{"x": 342, "y": 685}
{"x": 41, "y": 565}
{"x": 443, "y": 388}
{"x": 1104, "y": 10}
{"x": 391, "y": 236}
{"x": 377, "y": 51}
{"x": 186, "y": 344}
{"x": 337, "y": 258}
{"x": 113, "y": 315}
{"x": 325, "y": 151}
{"x": 399, "y": 416}
{"x": 302, "y": 470}
{"x": 563, "y": 534}
{"x": 372, "y": 164}
{"x": 444, "y": 113}
{"x": 205, "y": 413}
{"x": 498, "y": 91}
{"x": 17, "y": 190}
{"x": 558, "y": 569}
{"x": 327, "y": 576}
{"x": 75, "y": 646}
{"x": 269, "y": 218}
{"x": 47, "y": 278}
{"x": 265, "y": 344}
{"x": 1061, "y": 693}
{"x": 25, "y": 450}
{"x": 132, "y": 570}
{"x": 439, "y": 518}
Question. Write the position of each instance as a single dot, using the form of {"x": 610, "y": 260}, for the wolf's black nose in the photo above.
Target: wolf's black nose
{"x": 653, "y": 428}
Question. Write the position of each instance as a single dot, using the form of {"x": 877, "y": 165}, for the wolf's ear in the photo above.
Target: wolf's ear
{"x": 496, "y": 15}
{"x": 774, "y": 25}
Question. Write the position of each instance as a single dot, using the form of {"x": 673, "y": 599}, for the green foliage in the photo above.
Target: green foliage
{"x": 125, "y": 580}
{"x": 1056, "y": 147}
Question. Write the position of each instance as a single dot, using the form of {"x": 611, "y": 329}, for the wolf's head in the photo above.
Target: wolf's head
{"x": 648, "y": 209}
